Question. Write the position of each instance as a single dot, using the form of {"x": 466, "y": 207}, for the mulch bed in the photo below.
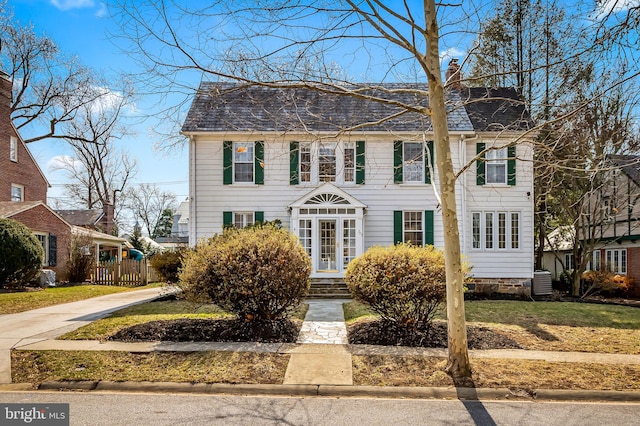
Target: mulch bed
{"x": 378, "y": 332}
{"x": 211, "y": 330}
{"x": 381, "y": 332}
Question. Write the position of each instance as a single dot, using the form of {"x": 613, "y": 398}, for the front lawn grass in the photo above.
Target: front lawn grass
{"x": 20, "y": 301}
{"x": 186, "y": 367}
{"x": 385, "y": 370}
{"x": 550, "y": 326}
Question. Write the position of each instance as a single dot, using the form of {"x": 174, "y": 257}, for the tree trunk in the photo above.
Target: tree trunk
{"x": 458, "y": 363}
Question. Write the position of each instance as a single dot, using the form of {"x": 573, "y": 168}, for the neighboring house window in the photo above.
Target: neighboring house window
{"x": 341, "y": 162}
{"x": 568, "y": 261}
{"x": 13, "y": 150}
{"x": 44, "y": 241}
{"x": 415, "y": 227}
{"x": 50, "y": 247}
{"x": 243, "y": 162}
{"x": 241, "y": 219}
{"x": 495, "y": 166}
{"x": 616, "y": 261}
{"x": 412, "y": 162}
{"x": 495, "y": 230}
{"x": 596, "y": 261}
{"x": 17, "y": 192}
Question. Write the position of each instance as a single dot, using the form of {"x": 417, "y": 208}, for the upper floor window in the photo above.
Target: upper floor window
{"x": 497, "y": 166}
{"x": 17, "y": 192}
{"x": 338, "y": 162}
{"x": 412, "y": 162}
{"x": 13, "y": 149}
{"x": 243, "y": 162}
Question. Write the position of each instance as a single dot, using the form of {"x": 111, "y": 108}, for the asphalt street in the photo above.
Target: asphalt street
{"x": 167, "y": 409}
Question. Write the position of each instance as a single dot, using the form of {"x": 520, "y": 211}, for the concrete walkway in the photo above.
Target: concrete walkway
{"x": 322, "y": 358}
{"x": 48, "y": 323}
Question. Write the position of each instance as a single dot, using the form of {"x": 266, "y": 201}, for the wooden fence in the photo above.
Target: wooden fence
{"x": 128, "y": 272}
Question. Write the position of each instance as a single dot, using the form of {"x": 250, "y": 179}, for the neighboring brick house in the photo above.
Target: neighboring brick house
{"x": 23, "y": 189}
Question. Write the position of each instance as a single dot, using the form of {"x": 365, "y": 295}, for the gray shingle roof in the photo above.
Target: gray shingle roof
{"x": 496, "y": 109}
{"x": 81, "y": 217}
{"x": 224, "y": 107}
{"x": 630, "y": 165}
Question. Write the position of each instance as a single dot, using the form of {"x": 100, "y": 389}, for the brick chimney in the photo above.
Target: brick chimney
{"x": 5, "y": 97}
{"x": 453, "y": 75}
{"x": 108, "y": 218}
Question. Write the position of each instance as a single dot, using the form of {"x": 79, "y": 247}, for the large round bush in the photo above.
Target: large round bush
{"x": 21, "y": 254}
{"x": 168, "y": 264}
{"x": 402, "y": 283}
{"x": 257, "y": 273}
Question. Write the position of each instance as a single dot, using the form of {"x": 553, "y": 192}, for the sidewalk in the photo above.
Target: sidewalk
{"x": 320, "y": 361}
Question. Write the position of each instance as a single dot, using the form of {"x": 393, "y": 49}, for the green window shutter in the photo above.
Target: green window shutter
{"x": 427, "y": 171}
{"x": 227, "y": 162}
{"x": 511, "y": 165}
{"x": 294, "y": 162}
{"x": 258, "y": 217}
{"x": 428, "y": 227}
{"x": 397, "y": 162}
{"x": 360, "y": 158}
{"x": 227, "y": 219}
{"x": 397, "y": 227}
{"x": 258, "y": 154}
{"x": 53, "y": 250}
{"x": 480, "y": 165}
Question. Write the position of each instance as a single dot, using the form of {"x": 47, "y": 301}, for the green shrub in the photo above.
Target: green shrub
{"x": 257, "y": 273}
{"x": 81, "y": 261}
{"x": 168, "y": 264}
{"x": 21, "y": 254}
{"x": 402, "y": 283}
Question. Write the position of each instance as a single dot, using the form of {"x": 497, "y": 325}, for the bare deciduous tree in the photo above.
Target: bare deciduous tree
{"x": 149, "y": 203}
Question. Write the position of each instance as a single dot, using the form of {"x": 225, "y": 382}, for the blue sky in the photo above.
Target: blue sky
{"x": 79, "y": 27}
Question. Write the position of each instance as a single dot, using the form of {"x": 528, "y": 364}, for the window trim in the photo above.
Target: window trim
{"x": 496, "y": 158}
{"x": 236, "y": 150}
{"x": 621, "y": 266}
{"x": 45, "y": 245}
{"x": 419, "y": 171}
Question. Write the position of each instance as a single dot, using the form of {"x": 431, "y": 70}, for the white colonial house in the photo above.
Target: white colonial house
{"x": 261, "y": 154}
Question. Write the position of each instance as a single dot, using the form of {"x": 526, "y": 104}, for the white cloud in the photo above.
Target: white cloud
{"x": 608, "y": 7}
{"x": 103, "y": 11}
{"x": 72, "y": 4}
{"x": 451, "y": 53}
{"x": 64, "y": 162}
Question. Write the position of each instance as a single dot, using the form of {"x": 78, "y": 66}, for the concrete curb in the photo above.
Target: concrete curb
{"x": 337, "y": 391}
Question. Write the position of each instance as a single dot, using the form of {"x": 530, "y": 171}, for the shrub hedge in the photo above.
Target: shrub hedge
{"x": 402, "y": 283}
{"x": 21, "y": 254}
{"x": 257, "y": 273}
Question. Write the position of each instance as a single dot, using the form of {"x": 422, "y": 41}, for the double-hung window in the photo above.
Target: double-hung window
{"x": 327, "y": 162}
{"x": 497, "y": 166}
{"x": 413, "y": 226}
{"x": 243, "y": 162}
{"x": 412, "y": 162}
{"x": 495, "y": 230}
